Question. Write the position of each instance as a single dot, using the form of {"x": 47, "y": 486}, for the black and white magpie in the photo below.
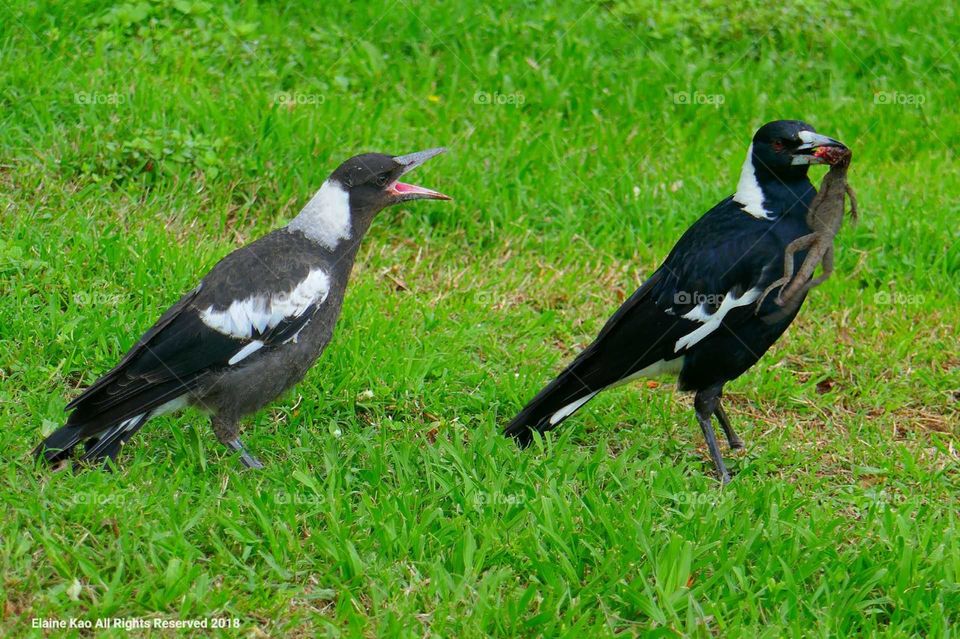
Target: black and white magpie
{"x": 697, "y": 316}
{"x": 253, "y": 326}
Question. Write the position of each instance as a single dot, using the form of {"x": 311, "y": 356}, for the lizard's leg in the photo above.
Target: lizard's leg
{"x": 827, "y": 269}
{"x": 854, "y": 211}
{"x": 817, "y": 250}
{"x": 798, "y": 244}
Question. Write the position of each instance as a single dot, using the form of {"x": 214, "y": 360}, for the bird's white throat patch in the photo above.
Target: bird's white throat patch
{"x": 749, "y": 194}
{"x": 326, "y": 217}
{"x": 260, "y": 313}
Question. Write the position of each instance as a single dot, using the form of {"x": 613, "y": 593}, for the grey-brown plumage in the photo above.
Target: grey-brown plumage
{"x": 251, "y": 329}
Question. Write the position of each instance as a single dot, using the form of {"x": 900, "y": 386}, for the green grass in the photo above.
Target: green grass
{"x": 140, "y": 143}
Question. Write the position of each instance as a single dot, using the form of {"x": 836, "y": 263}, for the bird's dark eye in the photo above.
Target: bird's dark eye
{"x": 382, "y": 179}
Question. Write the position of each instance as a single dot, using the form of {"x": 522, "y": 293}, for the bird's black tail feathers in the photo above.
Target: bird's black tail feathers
{"x": 103, "y": 419}
{"x": 62, "y": 444}
{"x": 560, "y": 399}
{"x": 605, "y": 363}
{"x": 59, "y": 445}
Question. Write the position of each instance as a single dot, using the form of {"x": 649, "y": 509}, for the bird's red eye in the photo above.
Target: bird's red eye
{"x": 778, "y": 145}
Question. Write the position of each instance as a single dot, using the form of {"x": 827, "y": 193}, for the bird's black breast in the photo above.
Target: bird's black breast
{"x": 726, "y": 251}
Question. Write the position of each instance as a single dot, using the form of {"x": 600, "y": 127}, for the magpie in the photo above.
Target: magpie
{"x": 252, "y": 327}
{"x": 699, "y": 316}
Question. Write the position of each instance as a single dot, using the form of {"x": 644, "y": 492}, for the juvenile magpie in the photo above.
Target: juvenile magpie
{"x": 253, "y": 326}
{"x": 697, "y": 316}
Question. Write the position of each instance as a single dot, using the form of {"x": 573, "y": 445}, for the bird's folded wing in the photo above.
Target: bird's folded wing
{"x": 245, "y": 304}
{"x": 716, "y": 281}
{"x": 709, "y": 280}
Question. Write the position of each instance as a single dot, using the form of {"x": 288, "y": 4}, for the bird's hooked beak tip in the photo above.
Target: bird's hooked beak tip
{"x": 820, "y": 149}
{"x": 402, "y": 191}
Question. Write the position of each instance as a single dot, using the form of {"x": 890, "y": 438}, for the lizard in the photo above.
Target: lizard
{"x": 824, "y": 218}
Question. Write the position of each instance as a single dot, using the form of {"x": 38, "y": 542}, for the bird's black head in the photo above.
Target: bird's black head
{"x": 372, "y": 180}
{"x": 785, "y": 147}
{"x": 774, "y": 173}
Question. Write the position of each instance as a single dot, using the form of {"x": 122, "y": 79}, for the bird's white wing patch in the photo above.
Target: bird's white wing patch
{"x": 260, "y": 313}
{"x": 749, "y": 194}
{"x": 246, "y": 351}
{"x": 172, "y": 406}
{"x": 711, "y": 322}
{"x": 660, "y": 367}
{"x": 326, "y": 217}
{"x": 569, "y": 409}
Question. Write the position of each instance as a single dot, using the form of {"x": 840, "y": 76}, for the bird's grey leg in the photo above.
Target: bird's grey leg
{"x": 705, "y": 403}
{"x": 732, "y": 438}
{"x": 248, "y": 460}
{"x": 227, "y": 434}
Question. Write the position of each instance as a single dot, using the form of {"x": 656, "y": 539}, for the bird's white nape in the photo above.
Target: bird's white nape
{"x": 326, "y": 217}
{"x": 749, "y": 194}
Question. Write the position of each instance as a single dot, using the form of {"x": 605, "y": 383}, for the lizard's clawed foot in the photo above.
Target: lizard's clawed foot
{"x": 769, "y": 289}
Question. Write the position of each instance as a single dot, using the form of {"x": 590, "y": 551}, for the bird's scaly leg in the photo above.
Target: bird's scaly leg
{"x": 732, "y": 438}
{"x": 226, "y": 430}
{"x": 705, "y": 403}
{"x": 248, "y": 460}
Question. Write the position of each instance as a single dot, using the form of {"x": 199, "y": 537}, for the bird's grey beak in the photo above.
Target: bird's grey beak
{"x": 402, "y": 191}
{"x": 818, "y": 149}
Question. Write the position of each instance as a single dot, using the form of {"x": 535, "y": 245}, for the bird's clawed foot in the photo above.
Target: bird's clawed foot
{"x": 706, "y": 403}
{"x": 732, "y": 438}
{"x": 248, "y": 460}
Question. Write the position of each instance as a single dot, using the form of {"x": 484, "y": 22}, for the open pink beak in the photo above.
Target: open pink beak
{"x": 402, "y": 191}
